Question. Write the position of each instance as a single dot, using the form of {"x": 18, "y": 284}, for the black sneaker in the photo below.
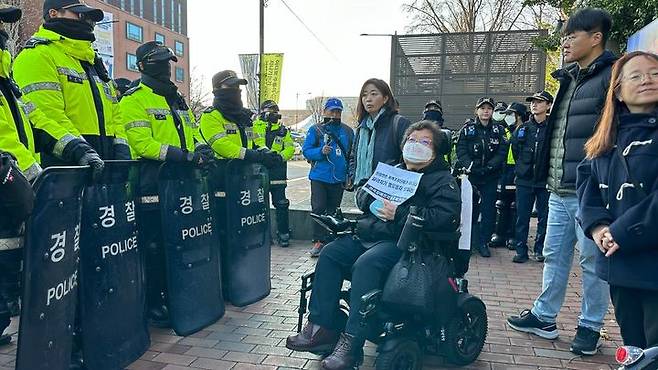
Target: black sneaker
{"x": 586, "y": 342}
{"x": 520, "y": 258}
{"x": 529, "y": 323}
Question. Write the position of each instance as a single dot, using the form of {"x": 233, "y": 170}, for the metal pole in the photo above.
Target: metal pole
{"x": 261, "y": 49}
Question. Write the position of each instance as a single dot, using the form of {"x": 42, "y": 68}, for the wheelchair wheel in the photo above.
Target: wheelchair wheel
{"x": 466, "y": 333}
{"x": 406, "y": 355}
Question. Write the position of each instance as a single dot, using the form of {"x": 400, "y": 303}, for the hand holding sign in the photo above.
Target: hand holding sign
{"x": 387, "y": 212}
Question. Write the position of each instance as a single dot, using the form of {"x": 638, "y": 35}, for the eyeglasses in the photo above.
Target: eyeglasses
{"x": 638, "y": 78}
{"x": 570, "y": 38}
{"x": 426, "y": 142}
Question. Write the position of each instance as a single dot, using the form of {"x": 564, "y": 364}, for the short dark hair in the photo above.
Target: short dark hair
{"x": 383, "y": 87}
{"x": 590, "y": 20}
{"x": 440, "y": 140}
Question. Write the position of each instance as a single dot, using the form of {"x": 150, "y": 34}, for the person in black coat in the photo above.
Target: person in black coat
{"x": 617, "y": 187}
{"x": 371, "y": 255}
{"x": 481, "y": 152}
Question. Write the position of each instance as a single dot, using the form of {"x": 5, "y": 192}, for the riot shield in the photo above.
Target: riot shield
{"x": 243, "y": 210}
{"x": 50, "y": 279}
{"x": 112, "y": 320}
{"x": 191, "y": 246}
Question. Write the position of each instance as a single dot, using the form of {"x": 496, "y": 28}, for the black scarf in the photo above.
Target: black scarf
{"x": 71, "y": 28}
{"x": 229, "y": 103}
{"x": 4, "y": 36}
{"x": 167, "y": 89}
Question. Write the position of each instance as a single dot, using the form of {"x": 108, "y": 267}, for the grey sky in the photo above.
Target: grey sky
{"x": 219, "y": 30}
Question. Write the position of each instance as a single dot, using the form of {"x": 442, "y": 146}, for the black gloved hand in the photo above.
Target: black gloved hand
{"x": 81, "y": 153}
{"x": 254, "y": 156}
{"x": 272, "y": 159}
{"x": 205, "y": 152}
{"x": 122, "y": 152}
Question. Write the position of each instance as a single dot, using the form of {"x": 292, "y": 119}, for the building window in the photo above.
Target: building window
{"x": 162, "y": 5}
{"x": 180, "y": 74}
{"x": 134, "y": 32}
{"x": 141, "y": 8}
{"x": 160, "y": 38}
{"x": 155, "y": 11}
{"x": 123, "y": 4}
{"x": 131, "y": 62}
{"x": 173, "y": 16}
{"x": 180, "y": 18}
{"x": 132, "y": 7}
{"x": 180, "y": 48}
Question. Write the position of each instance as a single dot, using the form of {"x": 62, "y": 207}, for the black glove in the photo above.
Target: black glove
{"x": 122, "y": 152}
{"x": 80, "y": 152}
{"x": 254, "y": 156}
{"x": 272, "y": 159}
{"x": 205, "y": 152}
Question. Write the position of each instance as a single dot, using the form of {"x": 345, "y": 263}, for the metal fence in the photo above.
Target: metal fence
{"x": 458, "y": 68}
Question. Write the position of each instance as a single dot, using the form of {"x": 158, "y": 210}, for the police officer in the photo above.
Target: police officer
{"x": 122, "y": 85}
{"x": 228, "y": 127}
{"x": 160, "y": 127}
{"x": 527, "y": 142}
{"x": 515, "y": 114}
{"x": 270, "y": 133}
{"x": 433, "y": 111}
{"x": 24, "y": 131}
{"x": 61, "y": 73}
{"x": 481, "y": 152}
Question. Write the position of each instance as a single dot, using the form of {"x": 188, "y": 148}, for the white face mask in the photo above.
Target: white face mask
{"x": 498, "y": 116}
{"x": 416, "y": 153}
{"x": 510, "y": 119}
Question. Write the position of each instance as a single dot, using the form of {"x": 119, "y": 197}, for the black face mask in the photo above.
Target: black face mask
{"x": 330, "y": 120}
{"x": 228, "y": 98}
{"x": 160, "y": 70}
{"x": 4, "y": 36}
{"x": 72, "y": 28}
{"x": 432, "y": 115}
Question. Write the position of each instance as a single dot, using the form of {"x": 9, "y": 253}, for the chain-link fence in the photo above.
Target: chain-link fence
{"x": 458, "y": 68}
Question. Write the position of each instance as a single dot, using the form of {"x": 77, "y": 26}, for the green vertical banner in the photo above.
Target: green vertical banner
{"x": 270, "y": 79}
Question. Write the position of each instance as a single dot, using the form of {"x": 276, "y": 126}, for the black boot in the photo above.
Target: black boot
{"x": 347, "y": 354}
{"x": 283, "y": 222}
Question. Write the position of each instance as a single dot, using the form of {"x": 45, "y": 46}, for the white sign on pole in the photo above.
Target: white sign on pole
{"x": 393, "y": 184}
{"x": 104, "y": 43}
{"x": 467, "y": 214}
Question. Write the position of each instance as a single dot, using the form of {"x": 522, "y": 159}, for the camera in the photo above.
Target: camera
{"x": 271, "y": 117}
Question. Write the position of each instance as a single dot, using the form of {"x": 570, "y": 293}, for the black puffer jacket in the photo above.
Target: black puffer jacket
{"x": 608, "y": 197}
{"x": 583, "y": 110}
{"x": 388, "y": 141}
{"x": 438, "y": 200}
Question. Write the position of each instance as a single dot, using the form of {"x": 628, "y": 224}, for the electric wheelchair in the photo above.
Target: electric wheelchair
{"x": 457, "y": 332}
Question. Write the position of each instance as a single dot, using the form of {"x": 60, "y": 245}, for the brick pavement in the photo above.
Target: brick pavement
{"x": 253, "y": 337}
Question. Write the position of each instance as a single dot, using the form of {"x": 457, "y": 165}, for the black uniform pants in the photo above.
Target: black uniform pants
{"x": 325, "y": 198}
{"x": 525, "y": 199}
{"x": 484, "y": 213}
{"x": 339, "y": 259}
{"x": 636, "y": 311}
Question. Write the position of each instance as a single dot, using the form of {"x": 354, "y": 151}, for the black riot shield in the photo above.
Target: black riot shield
{"x": 243, "y": 211}
{"x": 191, "y": 247}
{"x": 50, "y": 279}
{"x": 112, "y": 320}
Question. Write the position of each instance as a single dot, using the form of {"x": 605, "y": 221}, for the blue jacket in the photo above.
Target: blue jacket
{"x": 331, "y": 168}
{"x": 607, "y": 197}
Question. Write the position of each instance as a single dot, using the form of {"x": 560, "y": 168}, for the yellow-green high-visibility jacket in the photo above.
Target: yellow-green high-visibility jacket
{"x": 224, "y": 136}
{"x": 150, "y": 126}
{"x": 50, "y": 73}
{"x": 17, "y": 138}
{"x": 510, "y": 155}
{"x": 279, "y": 140}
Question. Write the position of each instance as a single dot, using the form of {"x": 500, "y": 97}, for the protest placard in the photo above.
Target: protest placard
{"x": 393, "y": 184}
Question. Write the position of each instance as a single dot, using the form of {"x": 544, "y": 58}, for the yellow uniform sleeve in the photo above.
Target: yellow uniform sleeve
{"x": 40, "y": 121}
{"x": 36, "y": 74}
{"x": 10, "y": 142}
{"x": 213, "y": 130}
{"x": 288, "y": 147}
{"x": 137, "y": 127}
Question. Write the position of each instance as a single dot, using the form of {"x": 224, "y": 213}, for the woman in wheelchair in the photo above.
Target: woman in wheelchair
{"x": 369, "y": 256}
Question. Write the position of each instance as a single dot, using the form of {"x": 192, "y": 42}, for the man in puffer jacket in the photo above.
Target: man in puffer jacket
{"x": 576, "y": 110}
